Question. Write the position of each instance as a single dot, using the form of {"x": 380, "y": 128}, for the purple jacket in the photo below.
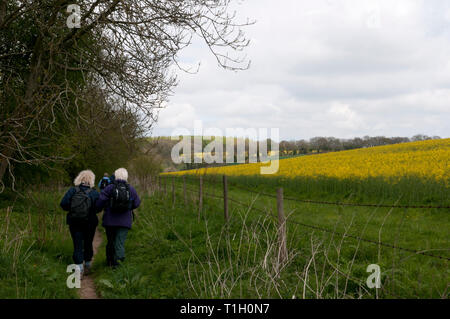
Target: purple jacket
{"x": 117, "y": 219}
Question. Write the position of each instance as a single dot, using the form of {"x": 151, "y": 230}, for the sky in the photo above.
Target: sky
{"x": 341, "y": 68}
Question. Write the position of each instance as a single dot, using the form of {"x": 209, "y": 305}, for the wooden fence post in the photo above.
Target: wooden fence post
{"x": 159, "y": 184}
{"x": 148, "y": 185}
{"x": 185, "y": 191}
{"x": 225, "y": 198}
{"x": 282, "y": 252}
{"x": 31, "y": 223}
{"x": 165, "y": 186}
{"x": 153, "y": 184}
{"x": 173, "y": 191}
{"x": 200, "y": 197}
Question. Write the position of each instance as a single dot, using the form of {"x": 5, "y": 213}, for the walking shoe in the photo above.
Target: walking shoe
{"x": 87, "y": 268}
{"x": 81, "y": 270}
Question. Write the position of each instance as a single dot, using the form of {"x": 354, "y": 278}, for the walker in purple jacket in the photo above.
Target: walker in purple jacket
{"x": 123, "y": 219}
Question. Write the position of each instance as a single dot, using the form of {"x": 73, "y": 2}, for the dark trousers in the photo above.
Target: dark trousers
{"x": 115, "y": 247}
{"x": 82, "y": 238}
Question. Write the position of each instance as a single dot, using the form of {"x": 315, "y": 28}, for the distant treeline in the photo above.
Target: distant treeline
{"x": 161, "y": 147}
{"x": 331, "y": 144}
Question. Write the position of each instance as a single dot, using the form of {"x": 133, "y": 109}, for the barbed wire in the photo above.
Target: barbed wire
{"x": 321, "y": 228}
{"x": 309, "y": 201}
{"x": 424, "y": 253}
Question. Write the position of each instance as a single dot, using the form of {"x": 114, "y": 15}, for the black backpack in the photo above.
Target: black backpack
{"x": 104, "y": 183}
{"x": 120, "y": 197}
{"x": 80, "y": 204}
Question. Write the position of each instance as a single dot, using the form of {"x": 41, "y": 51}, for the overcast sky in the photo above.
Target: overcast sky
{"x": 340, "y": 68}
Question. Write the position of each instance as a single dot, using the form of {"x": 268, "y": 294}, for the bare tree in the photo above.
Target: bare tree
{"x": 123, "y": 49}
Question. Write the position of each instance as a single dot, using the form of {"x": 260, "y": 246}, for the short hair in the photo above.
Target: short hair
{"x": 121, "y": 173}
{"x": 86, "y": 177}
{"x": 106, "y": 175}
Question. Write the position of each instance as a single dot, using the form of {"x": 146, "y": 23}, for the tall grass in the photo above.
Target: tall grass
{"x": 408, "y": 190}
{"x": 170, "y": 254}
{"x": 35, "y": 246}
{"x": 245, "y": 263}
{"x": 173, "y": 254}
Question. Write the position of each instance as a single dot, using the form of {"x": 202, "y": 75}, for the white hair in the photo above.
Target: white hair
{"x": 86, "y": 177}
{"x": 121, "y": 173}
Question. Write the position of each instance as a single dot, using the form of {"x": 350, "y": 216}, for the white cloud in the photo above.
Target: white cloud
{"x": 177, "y": 115}
{"x": 344, "y": 117}
{"x": 321, "y": 68}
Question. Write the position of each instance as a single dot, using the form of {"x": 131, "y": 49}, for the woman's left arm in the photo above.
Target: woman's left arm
{"x": 65, "y": 202}
{"x": 136, "y": 200}
{"x": 103, "y": 198}
{"x": 94, "y": 197}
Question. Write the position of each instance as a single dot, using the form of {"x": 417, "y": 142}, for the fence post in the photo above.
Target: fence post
{"x": 152, "y": 184}
{"x": 165, "y": 186}
{"x": 200, "y": 197}
{"x": 148, "y": 185}
{"x": 225, "y": 198}
{"x": 173, "y": 191}
{"x": 159, "y": 184}
{"x": 184, "y": 190}
{"x": 282, "y": 253}
{"x": 31, "y": 223}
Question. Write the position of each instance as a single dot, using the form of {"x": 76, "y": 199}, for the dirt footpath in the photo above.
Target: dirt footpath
{"x": 87, "y": 290}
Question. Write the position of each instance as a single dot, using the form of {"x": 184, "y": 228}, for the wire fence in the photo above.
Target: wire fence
{"x": 309, "y": 201}
{"x": 214, "y": 182}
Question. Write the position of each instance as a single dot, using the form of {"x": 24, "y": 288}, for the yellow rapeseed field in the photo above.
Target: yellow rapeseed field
{"x": 426, "y": 159}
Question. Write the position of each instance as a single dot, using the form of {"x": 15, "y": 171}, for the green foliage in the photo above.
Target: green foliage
{"x": 143, "y": 167}
{"x": 170, "y": 254}
{"x": 408, "y": 190}
{"x": 56, "y": 119}
{"x": 35, "y": 247}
